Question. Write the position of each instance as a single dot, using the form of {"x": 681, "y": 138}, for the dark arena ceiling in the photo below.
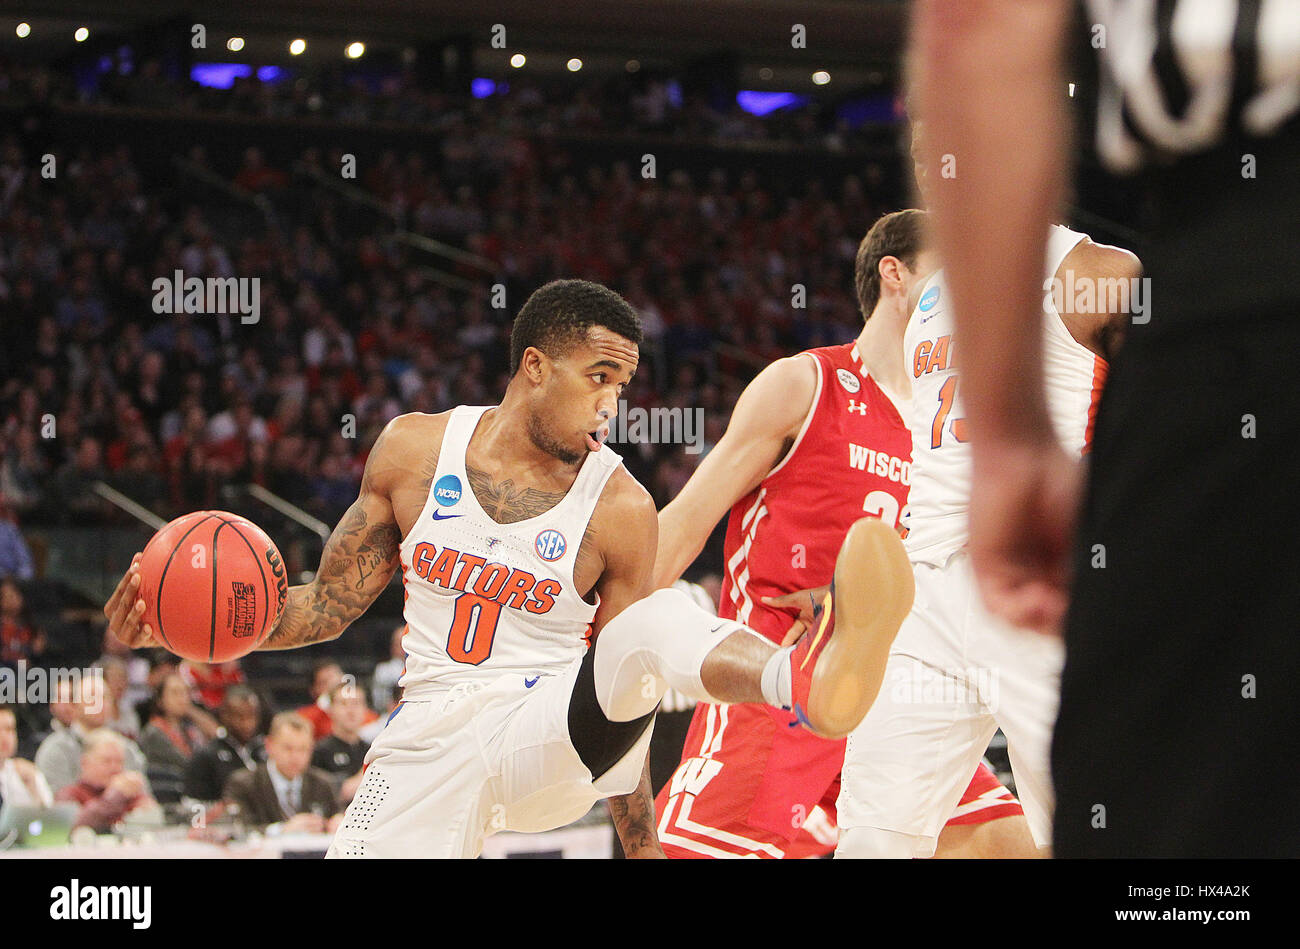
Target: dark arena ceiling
{"x": 858, "y": 41}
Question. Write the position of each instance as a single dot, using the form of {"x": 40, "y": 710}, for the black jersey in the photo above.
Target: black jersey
{"x": 1180, "y": 77}
{"x": 1201, "y": 99}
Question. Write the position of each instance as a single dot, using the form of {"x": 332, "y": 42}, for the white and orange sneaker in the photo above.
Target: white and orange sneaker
{"x": 836, "y": 668}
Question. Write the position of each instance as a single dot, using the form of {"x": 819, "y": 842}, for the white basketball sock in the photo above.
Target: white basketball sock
{"x": 776, "y": 682}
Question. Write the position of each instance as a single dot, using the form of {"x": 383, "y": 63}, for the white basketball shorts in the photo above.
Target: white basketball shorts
{"x": 955, "y": 675}
{"x": 450, "y": 770}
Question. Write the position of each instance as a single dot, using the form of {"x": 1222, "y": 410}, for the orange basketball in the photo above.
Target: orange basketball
{"x": 213, "y": 586}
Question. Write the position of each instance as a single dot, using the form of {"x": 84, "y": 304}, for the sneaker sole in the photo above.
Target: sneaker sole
{"x": 873, "y": 595}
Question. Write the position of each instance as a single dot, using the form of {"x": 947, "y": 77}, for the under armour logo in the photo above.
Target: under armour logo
{"x": 859, "y": 407}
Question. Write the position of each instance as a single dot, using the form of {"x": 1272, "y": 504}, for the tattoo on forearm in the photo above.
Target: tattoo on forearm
{"x": 505, "y": 503}
{"x": 634, "y": 819}
{"x": 358, "y": 561}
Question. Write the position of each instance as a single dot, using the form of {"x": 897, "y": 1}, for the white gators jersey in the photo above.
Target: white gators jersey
{"x": 941, "y": 460}
{"x": 485, "y": 599}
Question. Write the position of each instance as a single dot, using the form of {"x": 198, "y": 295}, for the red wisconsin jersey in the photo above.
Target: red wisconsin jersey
{"x": 852, "y": 458}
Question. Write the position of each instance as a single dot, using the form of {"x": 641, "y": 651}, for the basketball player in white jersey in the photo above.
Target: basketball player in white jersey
{"x": 956, "y": 673}
{"x": 521, "y": 537}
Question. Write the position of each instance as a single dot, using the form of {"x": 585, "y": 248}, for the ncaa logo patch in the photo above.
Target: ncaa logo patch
{"x": 550, "y": 545}
{"x": 848, "y": 380}
{"x": 447, "y": 490}
{"x": 928, "y": 300}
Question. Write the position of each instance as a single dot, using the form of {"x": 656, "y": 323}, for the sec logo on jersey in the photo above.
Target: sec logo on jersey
{"x": 447, "y": 490}
{"x": 550, "y": 545}
{"x": 848, "y": 380}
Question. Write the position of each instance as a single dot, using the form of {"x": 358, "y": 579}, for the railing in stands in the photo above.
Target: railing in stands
{"x": 420, "y": 242}
{"x": 291, "y": 511}
{"x": 218, "y": 183}
{"x": 120, "y": 500}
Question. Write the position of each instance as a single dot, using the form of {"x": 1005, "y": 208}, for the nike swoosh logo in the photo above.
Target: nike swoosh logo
{"x": 439, "y": 516}
{"x": 718, "y": 627}
{"x": 529, "y": 683}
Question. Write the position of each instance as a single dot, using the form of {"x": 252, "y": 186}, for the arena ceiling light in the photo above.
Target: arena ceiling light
{"x": 81, "y": 35}
{"x": 235, "y": 44}
{"x": 355, "y": 50}
{"x": 297, "y": 47}
{"x": 574, "y": 64}
{"x": 821, "y": 77}
{"x": 633, "y": 65}
{"x": 23, "y": 30}
{"x": 518, "y": 60}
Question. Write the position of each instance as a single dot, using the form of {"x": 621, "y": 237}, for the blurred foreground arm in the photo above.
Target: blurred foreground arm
{"x": 990, "y": 87}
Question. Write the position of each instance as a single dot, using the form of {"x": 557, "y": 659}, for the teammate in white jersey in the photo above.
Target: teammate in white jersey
{"x": 521, "y": 538}
{"x": 956, "y": 673}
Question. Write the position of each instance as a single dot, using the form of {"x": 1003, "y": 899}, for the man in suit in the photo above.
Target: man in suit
{"x": 285, "y": 795}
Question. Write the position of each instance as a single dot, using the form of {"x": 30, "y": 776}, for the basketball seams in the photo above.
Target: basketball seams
{"x": 187, "y": 591}
{"x": 266, "y": 591}
{"x": 158, "y": 596}
{"x": 212, "y": 630}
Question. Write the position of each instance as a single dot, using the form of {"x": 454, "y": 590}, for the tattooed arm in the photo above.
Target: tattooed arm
{"x": 620, "y": 543}
{"x": 634, "y": 818}
{"x": 356, "y": 565}
{"x": 358, "y": 560}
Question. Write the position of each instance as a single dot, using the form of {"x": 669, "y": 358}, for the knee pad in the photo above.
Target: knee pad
{"x": 657, "y": 642}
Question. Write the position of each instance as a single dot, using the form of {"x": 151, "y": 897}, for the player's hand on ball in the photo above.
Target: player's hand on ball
{"x": 1024, "y": 506}
{"x": 125, "y": 610}
{"x": 807, "y": 602}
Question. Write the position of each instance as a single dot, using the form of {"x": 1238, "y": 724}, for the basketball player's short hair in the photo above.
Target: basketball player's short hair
{"x": 900, "y": 234}
{"x": 558, "y": 315}
{"x": 290, "y": 721}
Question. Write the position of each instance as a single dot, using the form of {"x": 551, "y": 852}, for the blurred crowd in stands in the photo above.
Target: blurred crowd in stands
{"x": 354, "y": 327}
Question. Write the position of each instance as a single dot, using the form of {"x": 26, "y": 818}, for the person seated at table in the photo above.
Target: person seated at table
{"x": 285, "y": 794}
{"x": 238, "y": 746}
{"x": 59, "y": 756}
{"x": 105, "y": 790}
{"x": 21, "y": 783}
{"x": 175, "y": 731}
{"x": 342, "y": 752}
{"x": 327, "y": 676}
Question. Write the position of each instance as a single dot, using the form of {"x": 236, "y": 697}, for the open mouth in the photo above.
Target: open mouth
{"x": 597, "y": 438}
